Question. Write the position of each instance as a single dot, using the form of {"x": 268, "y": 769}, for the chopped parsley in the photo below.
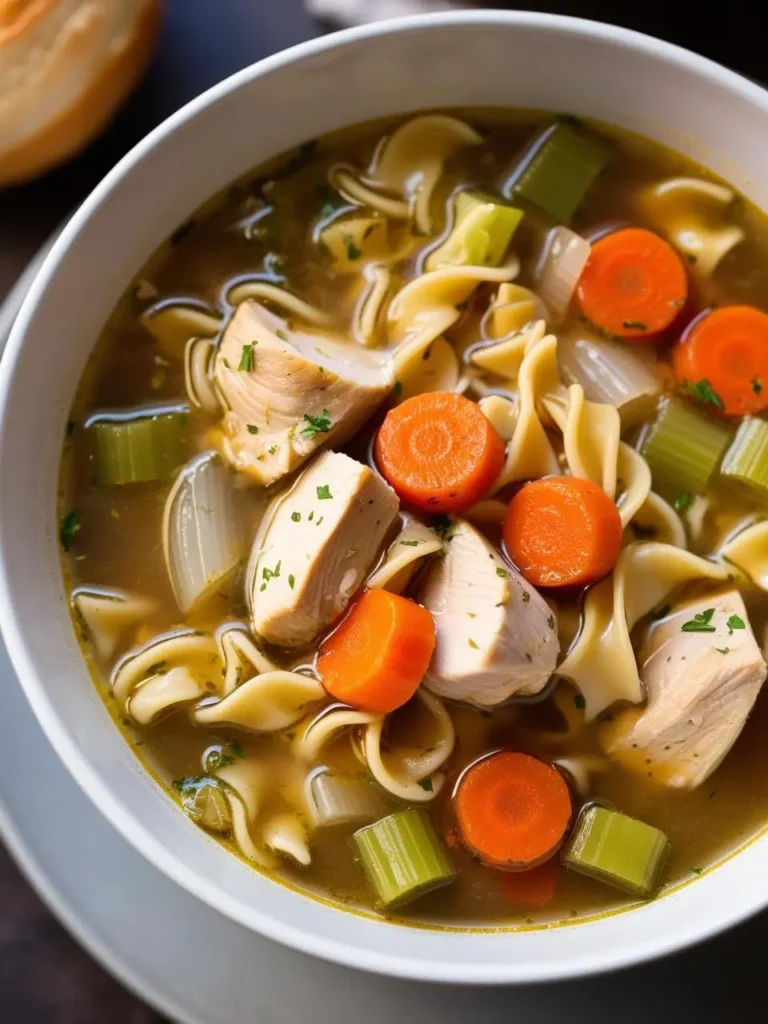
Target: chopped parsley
{"x": 660, "y": 613}
{"x": 246, "y": 358}
{"x": 270, "y": 574}
{"x": 634, "y": 325}
{"x": 237, "y": 750}
{"x": 398, "y": 388}
{"x": 526, "y": 597}
{"x": 296, "y": 517}
{"x": 311, "y": 515}
{"x": 279, "y": 333}
{"x": 551, "y": 621}
{"x": 426, "y": 785}
{"x": 291, "y": 581}
{"x": 411, "y": 543}
{"x": 473, "y": 645}
{"x": 696, "y": 871}
{"x": 756, "y": 384}
{"x": 579, "y": 701}
{"x": 252, "y": 429}
{"x": 319, "y": 520}
{"x": 700, "y": 623}
{"x": 704, "y": 391}
{"x": 353, "y": 253}
{"x": 683, "y": 501}
{"x": 502, "y": 572}
{"x": 324, "y": 492}
{"x": 316, "y": 424}
{"x": 735, "y": 622}
{"x": 442, "y": 525}
{"x": 69, "y": 527}
{"x": 272, "y": 449}
{"x": 722, "y": 650}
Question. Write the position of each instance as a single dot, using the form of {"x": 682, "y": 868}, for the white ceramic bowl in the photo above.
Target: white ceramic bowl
{"x": 480, "y": 58}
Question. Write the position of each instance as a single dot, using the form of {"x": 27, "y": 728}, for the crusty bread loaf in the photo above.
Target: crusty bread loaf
{"x": 65, "y": 66}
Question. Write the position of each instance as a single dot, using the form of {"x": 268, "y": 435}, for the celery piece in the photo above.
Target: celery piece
{"x": 746, "y": 461}
{"x": 136, "y": 447}
{"x": 482, "y": 230}
{"x": 617, "y": 849}
{"x": 683, "y": 449}
{"x": 338, "y": 800}
{"x": 403, "y": 857}
{"x": 560, "y": 169}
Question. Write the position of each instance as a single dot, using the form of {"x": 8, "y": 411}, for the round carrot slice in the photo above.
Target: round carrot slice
{"x": 633, "y": 285}
{"x": 562, "y": 531}
{"x": 378, "y": 655}
{"x": 439, "y": 451}
{"x": 512, "y": 810}
{"x": 723, "y": 359}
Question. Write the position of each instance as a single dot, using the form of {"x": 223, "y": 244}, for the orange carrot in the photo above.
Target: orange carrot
{"x": 378, "y": 655}
{"x": 723, "y": 359}
{"x": 562, "y": 531}
{"x": 512, "y": 810}
{"x": 528, "y": 890}
{"x": 439, "y": 451}
{"x": 634, "y": 284}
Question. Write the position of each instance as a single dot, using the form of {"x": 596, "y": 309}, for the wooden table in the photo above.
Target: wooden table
{"x": 44, "y": 976}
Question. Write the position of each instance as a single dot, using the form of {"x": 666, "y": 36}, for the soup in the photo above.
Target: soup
{"x": 412, "y": 519}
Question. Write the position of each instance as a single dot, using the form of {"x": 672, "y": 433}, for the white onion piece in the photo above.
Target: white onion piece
{"x": 203, "y": 538}
{"x": 336, "y": 800}
{"x": 559, "y": 269}
{"x": 609, "y": 372}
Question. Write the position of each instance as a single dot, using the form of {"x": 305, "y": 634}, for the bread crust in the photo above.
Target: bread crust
{"x": 65, "y": 67}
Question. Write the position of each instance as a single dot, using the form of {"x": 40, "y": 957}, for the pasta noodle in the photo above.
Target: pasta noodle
{"x": 748, "y": 550}
{"x": 184, "y": 647}
{"x": 413, "y": 544}
{"x": 173, "y": 323}
{"x": 262, "y": 291}
{"x": 266, "y": 703}
{"x": 108, "y": 614}
{"x": 163, "y": 692}
{"x": 370, "y": 306}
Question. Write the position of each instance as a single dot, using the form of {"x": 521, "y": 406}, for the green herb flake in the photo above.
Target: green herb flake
{"x": 692, "y": 260}
{"x": 704, "y": 391}
{"x": 660, "y": 613}
{"x": 442, "y": 526}
{"x": 398, "y": 388}
{"x": 272, "y": 449}
{"x": 246, "y": 359}
{"x": 411, "y": 543}
{"x": 319, "y": 520}
{"x": 634, "y": 325}
{"x": 696, "y": 871}
{"x": 270, "y": 574}
{"x": 291, "y": 581}
{"x": 473, "y": 645}
{"x": 756, "y": 384}
{"x": 426, "y": 785}
{"x": 311, "y": 515}
{"x": 295, "y": 517}
{"x": 551, "y": 621}
{"x": 526, "y": 597}
{"x": 683, "y": 501}
{"x": 502, "y": 572}
{"x": 580, "y": 702}
{"x": 324, "y": 492}
{"x": 722, "y": 650}
{"x": 281, "y": 334}
{"x": 69, "y": 527}
{"x": 700, "y": 623}
{"x": 353, "y": 253}
{"x": 252, "y": 429}
{"x": 735, "y": 622}
{"x": 226, "y": 362}
{"x": 237, "y": 750}
{"x": 316, "y": 424}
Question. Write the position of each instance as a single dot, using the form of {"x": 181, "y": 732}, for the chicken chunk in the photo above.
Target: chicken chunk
{"x": 702, "y": 671}
{"x": 496, "y": 636}
{"x": 317, "y": 548}
{"x": 287, "y": 392}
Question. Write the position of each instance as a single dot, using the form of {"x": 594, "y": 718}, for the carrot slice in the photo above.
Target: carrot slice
{"x": 562, "y": 531}
{"x": 378, "y": 655}
{"x": 512, "y": 810}
{"x": 633, "y": 285}
{"x": 439, "y": 451}
{"x": 723, "y": 359}
{"x": 528, "y": 890}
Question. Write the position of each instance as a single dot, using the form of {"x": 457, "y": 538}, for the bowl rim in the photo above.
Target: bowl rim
{"x": 631, "y": 950}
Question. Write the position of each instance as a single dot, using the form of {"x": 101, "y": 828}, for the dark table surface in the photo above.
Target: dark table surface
{"x": 44, "y": 975}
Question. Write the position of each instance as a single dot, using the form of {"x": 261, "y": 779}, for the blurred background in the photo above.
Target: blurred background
{"x": 44, "y": 976}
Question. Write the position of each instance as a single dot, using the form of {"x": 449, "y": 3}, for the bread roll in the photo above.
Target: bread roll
{"x": 65, "y": 66}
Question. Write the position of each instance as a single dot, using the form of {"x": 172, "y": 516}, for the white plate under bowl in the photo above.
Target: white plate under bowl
{"x": 471, "y": 58}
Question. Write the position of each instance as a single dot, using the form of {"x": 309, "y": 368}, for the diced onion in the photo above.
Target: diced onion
{"x": 609, "y": 372}
{"x": 202, "y": 534}
{"x": 337, "y": 800}
{"x": 559, "y": 269}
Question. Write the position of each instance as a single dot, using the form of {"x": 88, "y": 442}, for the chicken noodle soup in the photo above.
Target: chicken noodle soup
{"x": 413, "y": 518}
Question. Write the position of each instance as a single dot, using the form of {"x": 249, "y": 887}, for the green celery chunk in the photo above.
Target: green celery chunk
{"x": 617, "y": 849}
{"x": 483, "y": 228}
{"x": 403, "y": 857}
{"x": 683, "y": 449}
{"x": 561, "y": 170}
{"x": 746, "y": 461}
{"x": 138, "y": 448}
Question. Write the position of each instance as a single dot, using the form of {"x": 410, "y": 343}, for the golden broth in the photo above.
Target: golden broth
{"x": 118, "y": 541}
